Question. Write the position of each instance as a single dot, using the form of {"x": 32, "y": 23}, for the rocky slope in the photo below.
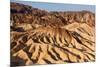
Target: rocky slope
{"x": 42, "y": 37}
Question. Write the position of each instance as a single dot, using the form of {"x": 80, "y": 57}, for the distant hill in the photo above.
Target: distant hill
{"x": 21, "y": 13}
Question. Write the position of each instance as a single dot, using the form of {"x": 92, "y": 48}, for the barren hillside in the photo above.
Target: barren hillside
{"x": 42, "y": 37}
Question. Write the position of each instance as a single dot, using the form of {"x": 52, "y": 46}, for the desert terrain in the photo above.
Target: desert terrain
{"x": 50, "y": 37}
